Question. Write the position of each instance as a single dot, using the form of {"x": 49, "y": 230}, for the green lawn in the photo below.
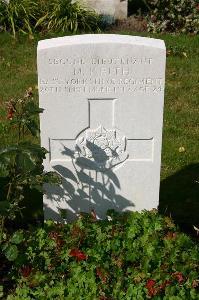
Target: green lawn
{"x": 180, "y": 155}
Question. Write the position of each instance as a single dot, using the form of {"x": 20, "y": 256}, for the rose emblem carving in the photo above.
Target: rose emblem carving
{"x": 104, "y": 147}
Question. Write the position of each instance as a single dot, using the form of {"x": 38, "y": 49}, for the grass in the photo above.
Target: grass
{"x": 180, "y": 155}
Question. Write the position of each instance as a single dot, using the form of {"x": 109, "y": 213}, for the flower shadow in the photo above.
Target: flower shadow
{"x": 87, "y": 184}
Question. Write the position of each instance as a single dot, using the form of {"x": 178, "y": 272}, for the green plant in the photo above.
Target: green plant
{"x": 18, "y": 15}
{"x": 65, "y": 15}
{"x": 174, "y": 16}
{"x": 30, "y": 16}
{"x": 124, "y": 257}
{"x": 21, "y": 161}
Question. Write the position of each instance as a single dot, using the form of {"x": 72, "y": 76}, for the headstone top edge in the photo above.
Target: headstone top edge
{"x": 100, "y": 38}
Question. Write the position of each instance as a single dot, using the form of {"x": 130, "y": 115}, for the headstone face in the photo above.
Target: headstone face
{"x": 103, "y": 98}
{"x": 115, "y": 8}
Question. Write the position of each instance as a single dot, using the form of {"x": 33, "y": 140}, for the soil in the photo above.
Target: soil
{"x": 131, "y": 24}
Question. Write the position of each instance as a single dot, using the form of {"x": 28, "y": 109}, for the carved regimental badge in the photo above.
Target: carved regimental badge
{"x": 104, "y": 147}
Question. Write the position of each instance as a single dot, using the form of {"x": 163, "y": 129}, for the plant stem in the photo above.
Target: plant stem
{"x": 2, "y": 227}
{"x": 19, "y": 132}
{"x": 9, "y": 191}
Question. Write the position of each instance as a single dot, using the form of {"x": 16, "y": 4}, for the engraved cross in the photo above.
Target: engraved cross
{"x": 103, "y": 134}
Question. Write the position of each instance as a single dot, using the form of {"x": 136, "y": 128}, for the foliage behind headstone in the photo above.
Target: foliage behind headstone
{"x": 29, "y": 16}
{"x": 174, "y": 16}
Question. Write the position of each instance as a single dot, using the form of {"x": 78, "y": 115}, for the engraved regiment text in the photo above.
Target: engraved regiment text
{"x": 99, "y": 75}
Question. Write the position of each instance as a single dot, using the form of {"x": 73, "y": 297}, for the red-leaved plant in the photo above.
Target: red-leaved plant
{"x": 78, "y": 254}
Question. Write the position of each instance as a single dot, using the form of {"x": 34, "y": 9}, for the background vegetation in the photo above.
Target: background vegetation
{"x": 168, "y": 15}
{"x": 30, "y": 16}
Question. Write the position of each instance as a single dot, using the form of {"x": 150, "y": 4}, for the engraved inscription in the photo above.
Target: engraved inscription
{"x": 88, "y": 75}
{"x": 100, "y": 85}
{"x": 104, "y": 147}
{"x": 100, "y": 61}
{"x": 102, "y": 80}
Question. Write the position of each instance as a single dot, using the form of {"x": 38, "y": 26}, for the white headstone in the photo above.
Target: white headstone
{"x": 103, "y": 101}
{"x": 115, "y": 8}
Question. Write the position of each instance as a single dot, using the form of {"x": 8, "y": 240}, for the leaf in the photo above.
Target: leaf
{"x": 7, "y": 155}
{"x": 27, "y": 156}
{"x": 32, "y": 127}
{"x": 35, "y": 151}
{"x": 24, "y": 162}
{"x": 17, "y": 237}
{"x": 40, "y": 21}
{"x": 52, "y": 178}
{"x": 31, "y": 108}
{"x": 8, "y": 150}
{"x": 11, "y": 252}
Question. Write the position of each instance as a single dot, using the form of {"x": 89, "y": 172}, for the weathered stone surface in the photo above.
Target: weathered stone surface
{"x": 102, "y": 123}
{"x": 116, "y": 8}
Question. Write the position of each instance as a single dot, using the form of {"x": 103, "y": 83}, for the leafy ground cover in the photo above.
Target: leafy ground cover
{"x": 129, "y": 256}
{"x": 180, "y": 168}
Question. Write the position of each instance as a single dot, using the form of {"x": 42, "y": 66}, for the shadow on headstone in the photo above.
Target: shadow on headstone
{"x": 92, "y": 185}
{"x": 179, "y": 197}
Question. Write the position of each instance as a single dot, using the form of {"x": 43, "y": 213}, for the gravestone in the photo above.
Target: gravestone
{"x": 115, "y": 8}
{"x": 103, "y": 98}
